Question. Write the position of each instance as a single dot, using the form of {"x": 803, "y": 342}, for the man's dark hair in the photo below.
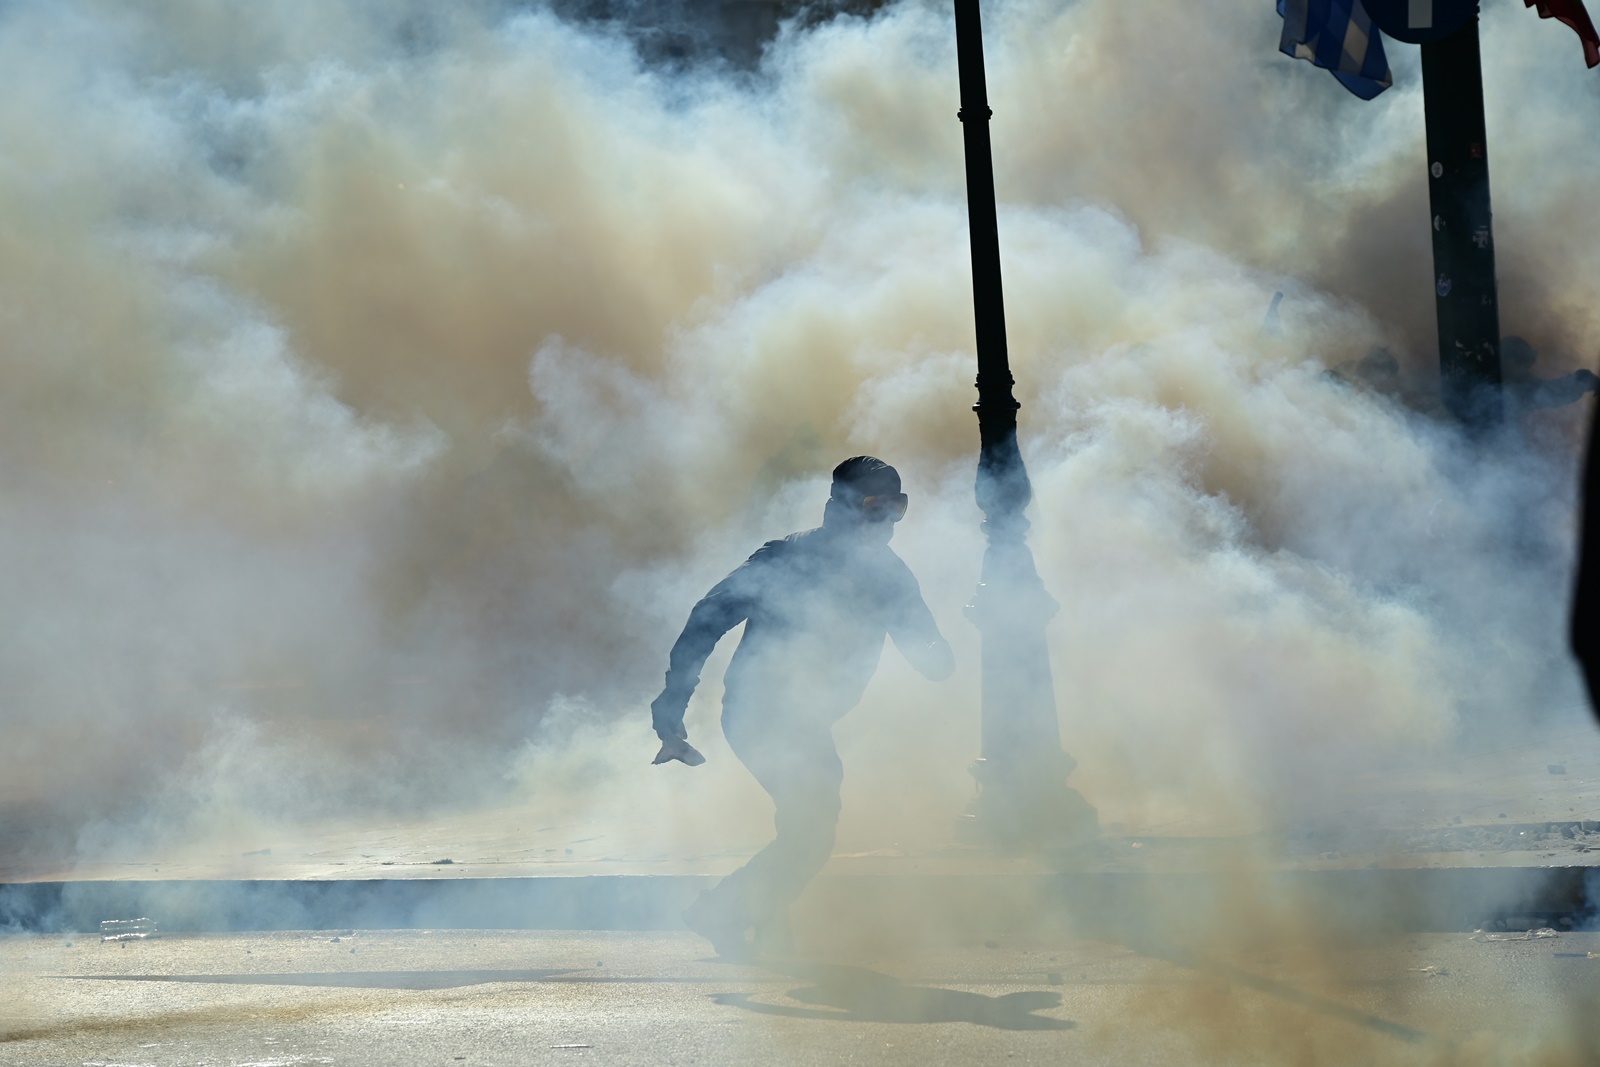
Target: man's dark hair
{"x": 862, "y": 476}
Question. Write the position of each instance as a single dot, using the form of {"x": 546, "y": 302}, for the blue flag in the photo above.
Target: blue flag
{"x": 1338, "y": 35}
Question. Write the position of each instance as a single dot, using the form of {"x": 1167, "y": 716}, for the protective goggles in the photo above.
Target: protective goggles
{"x": 881, "y": 506}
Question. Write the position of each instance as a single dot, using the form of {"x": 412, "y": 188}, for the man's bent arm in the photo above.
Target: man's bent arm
{"x": 917, "y": 636}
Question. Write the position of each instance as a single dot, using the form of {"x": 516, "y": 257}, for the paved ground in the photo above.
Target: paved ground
{"x": 1266, "y": 976}
{"x": 487, "y": 997}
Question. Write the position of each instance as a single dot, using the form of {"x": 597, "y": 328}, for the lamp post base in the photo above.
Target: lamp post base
{"x": 1026, "y": 807}
{"x": 1023, "y": 800}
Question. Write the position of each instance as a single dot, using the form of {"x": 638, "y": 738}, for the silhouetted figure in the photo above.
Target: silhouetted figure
{"x": 1586, "y": 589}
{"x": 1525, "y": 392}
{"x": 816, "y": 607}
{"x": 1377, "y": 371}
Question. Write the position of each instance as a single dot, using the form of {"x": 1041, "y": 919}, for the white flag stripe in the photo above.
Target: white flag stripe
{"x": 1421, "y": 14}
{"x": 1337, "y": 36}
{"x": 1355, "y": 48}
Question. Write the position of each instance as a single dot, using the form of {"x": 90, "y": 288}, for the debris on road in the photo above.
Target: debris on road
{"x": 1526, "y": 935}
{"x": 127, "y": 929}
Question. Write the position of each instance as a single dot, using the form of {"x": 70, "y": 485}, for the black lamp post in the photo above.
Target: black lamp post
{"x": 1466, "y": 303}
{"x": 1463, "y": 239}
{"x": 1022, "y": 797}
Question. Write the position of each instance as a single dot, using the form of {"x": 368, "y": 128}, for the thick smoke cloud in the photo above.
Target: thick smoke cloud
{"x": 382, "y": 387}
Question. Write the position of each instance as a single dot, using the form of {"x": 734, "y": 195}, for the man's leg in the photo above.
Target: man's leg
{"x": 800, "y": 769}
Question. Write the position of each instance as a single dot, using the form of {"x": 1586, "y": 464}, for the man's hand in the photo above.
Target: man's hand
{"x": 676, "y": 748}
{"x": 666, "y": 711}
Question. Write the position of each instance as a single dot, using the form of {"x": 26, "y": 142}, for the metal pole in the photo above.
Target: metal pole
{"x": 1022, "y": 794}
{"x": 1463, "y": 241}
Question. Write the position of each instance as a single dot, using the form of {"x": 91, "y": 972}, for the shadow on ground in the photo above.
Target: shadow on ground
{"x": 855, "y": 994}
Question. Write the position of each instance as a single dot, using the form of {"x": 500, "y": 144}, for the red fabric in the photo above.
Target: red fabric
{"x": 1572, "y": 13}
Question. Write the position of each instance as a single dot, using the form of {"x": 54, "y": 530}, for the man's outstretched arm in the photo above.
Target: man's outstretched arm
{"x": 726, "y": 606}
{"x": 1544, "y": 393}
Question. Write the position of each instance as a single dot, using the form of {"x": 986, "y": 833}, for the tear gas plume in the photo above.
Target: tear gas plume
{"x": 379, "y": 379}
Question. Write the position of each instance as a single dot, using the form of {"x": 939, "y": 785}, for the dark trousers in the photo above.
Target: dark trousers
{"x": 798, "y": 766}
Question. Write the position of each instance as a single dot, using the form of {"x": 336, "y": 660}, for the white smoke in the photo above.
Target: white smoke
{"x": 377, "y": 377}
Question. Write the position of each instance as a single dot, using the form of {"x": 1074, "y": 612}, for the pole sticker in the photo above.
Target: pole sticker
{"x": 1420, "y": 21}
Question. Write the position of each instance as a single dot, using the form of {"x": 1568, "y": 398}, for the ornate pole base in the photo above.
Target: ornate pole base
{"x": 1023, "y": 800}
{"x": 1019, "y": 809}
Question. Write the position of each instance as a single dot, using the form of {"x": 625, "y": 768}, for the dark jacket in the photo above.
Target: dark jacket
{"x": 816, "y": 607}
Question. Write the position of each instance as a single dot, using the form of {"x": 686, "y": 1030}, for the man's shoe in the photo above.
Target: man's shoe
{"x": 720, "y": 926}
